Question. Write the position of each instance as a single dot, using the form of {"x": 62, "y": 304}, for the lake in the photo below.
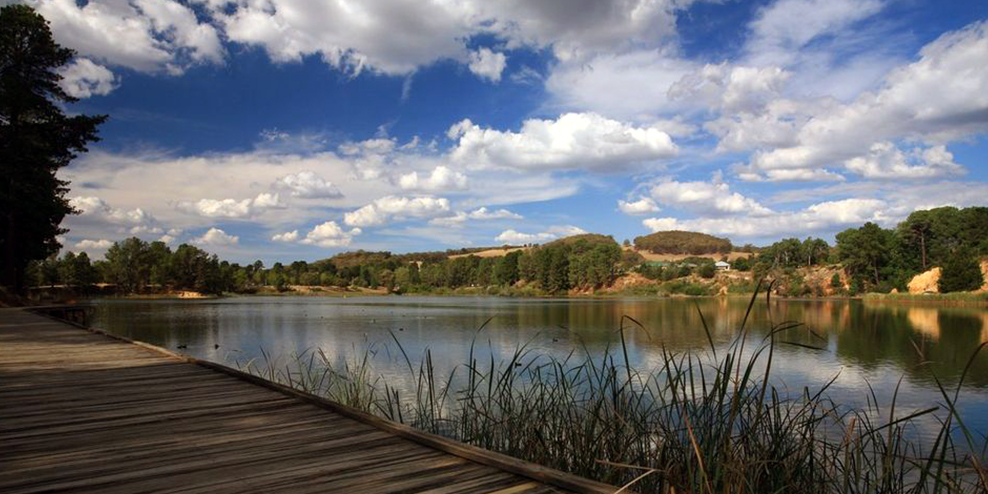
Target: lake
{"x": 860, "y": 342}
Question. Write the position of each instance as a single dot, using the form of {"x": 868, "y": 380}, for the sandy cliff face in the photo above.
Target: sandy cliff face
{"x": 925, "y": 282}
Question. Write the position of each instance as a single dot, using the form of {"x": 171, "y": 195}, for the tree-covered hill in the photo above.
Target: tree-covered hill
{"x": 679, "y": 242}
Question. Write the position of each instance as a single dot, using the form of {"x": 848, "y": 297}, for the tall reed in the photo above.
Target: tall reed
{"x": 702, "y": 422}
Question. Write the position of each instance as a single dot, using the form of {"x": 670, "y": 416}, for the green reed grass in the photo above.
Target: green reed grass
{"x": 703, "y": 422}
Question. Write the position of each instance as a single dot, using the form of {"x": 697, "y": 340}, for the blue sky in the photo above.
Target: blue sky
{"x": 278, "y": 130}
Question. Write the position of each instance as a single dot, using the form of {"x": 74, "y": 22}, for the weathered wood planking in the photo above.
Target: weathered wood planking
{"x": 82, "y": 411}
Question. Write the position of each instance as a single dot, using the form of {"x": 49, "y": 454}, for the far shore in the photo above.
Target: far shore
{"x": 965, "y": 299}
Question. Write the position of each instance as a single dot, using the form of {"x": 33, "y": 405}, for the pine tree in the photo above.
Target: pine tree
{"x": 36, "y": 139}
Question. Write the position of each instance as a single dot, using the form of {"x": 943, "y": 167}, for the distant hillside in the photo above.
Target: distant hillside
{"x": 356, "y": 258}
{"x": 590, "y": 238}
{"x": 678, "y": 242}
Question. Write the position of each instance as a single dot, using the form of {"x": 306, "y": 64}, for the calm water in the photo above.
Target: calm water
{"x": 862, "y": 342}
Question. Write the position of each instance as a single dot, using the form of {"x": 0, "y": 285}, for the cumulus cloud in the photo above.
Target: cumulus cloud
{"x": 97, "y": 217}
{"x": 144, "y": 35}
{"x": 821, "y": 217}
{"x": 83, "y": 78}
{"x": 286, "y": 237}
{"x": 441, "y": 179}
{"x": 886, "y": 160}
{"x": 487, "y": 64}
{"x": 217, "y": 238}
{"x": 584, "y": 141}
{"x": 730, "y": 89}
{"x": 388, "y": 207}
{"x": 482, "y": 213}
{"x": 329, "y": 234}
{"x": 644, "y": 205}
{"x": 940, "y": 97}
{"x": 512, "y": 236}
{"x": 705, "y": 197}
{"x": 308, "y": 185}
{"x": 380, "y": 35}
{"x": 232, "y": 208}
{"x": 87, "y": 244}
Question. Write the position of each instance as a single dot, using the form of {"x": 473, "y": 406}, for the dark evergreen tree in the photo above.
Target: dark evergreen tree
{"x": 961, "y": 273}
{"x": 36, "y": 139}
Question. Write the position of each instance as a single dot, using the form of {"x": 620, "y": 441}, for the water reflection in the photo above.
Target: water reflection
{"x": 861, "y": 343}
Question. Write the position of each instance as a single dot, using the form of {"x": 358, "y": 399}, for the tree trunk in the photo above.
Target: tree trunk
{"x": 922, "y": 247}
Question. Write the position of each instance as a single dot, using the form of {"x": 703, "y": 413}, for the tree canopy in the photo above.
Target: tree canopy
{"x": 36, "y": 140}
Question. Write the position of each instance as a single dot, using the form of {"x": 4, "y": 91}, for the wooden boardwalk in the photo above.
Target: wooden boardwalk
{"x": 83, "y": 412}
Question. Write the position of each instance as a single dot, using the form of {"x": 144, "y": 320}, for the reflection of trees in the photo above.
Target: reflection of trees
{"x": 918, "y": 340}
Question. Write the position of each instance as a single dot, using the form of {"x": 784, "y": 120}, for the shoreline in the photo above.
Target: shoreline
{"x": 966, "y": 299}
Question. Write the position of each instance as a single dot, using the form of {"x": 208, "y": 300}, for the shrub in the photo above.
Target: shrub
{"x": 707, "y": 271}
{"x": 961, "y": 273}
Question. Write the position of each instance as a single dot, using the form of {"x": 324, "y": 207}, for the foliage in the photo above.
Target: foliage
{"x": 865, "y": 252}
{"x": 36, "y": 140}
{"x": 741, "y": 264}
{"x": 678, "y": 242}
{"x": 960, "y": 273}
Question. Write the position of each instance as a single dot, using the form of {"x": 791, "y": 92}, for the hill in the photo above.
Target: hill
{"x": 679, "y": 242}
{"x": 589, "y": 238}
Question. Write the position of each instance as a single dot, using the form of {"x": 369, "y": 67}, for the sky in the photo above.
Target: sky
{"x": 282, "y": 130}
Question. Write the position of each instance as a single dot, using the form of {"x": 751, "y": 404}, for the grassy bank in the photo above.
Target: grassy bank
{"x": 958, "y": 298}
{"x": 704, "y": 422}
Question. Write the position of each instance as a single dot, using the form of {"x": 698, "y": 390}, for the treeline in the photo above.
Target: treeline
{"x": 874, "y": 259}
{"x": 136, "y": 266}
{"x": 877, "y": 259}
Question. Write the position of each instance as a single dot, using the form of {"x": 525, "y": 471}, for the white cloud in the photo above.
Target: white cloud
{"x": 784, "y": 27}
{"x": 511, "y": 236}
{"x": 286, "y": 237}
{"x": 385, "y": 208}
{"x": 83, "y": 78}
{"x": 232, "y": 208}
{"x": 95, "y": 207}
{"x": 144, "y": 35}
{"x": 396, "y": 38}
{"x": 308, "y": 185}
{"x": 705, "y": 197}
{"x": 730, "y": 89}
{"x": 481, "y": 213}
{"x": 822, "y": 217}
{"x": 648, "y": 74}
{"x": 87, "y": 244}
{"x": 145, "y": 229}
{"x": 644, "y": 205}
{"x": 167, "y": 239}
{"x": 585, "y": 141}
{"x": 329, "y": 234}
{"x": 885, "y": 160}
{"x": 216, "y": 237}
{"x": 942, "y": 96}
{"x": 97, "y": 218}
{"x": 441, "y": 179}
{"x": 487, "y": 64}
